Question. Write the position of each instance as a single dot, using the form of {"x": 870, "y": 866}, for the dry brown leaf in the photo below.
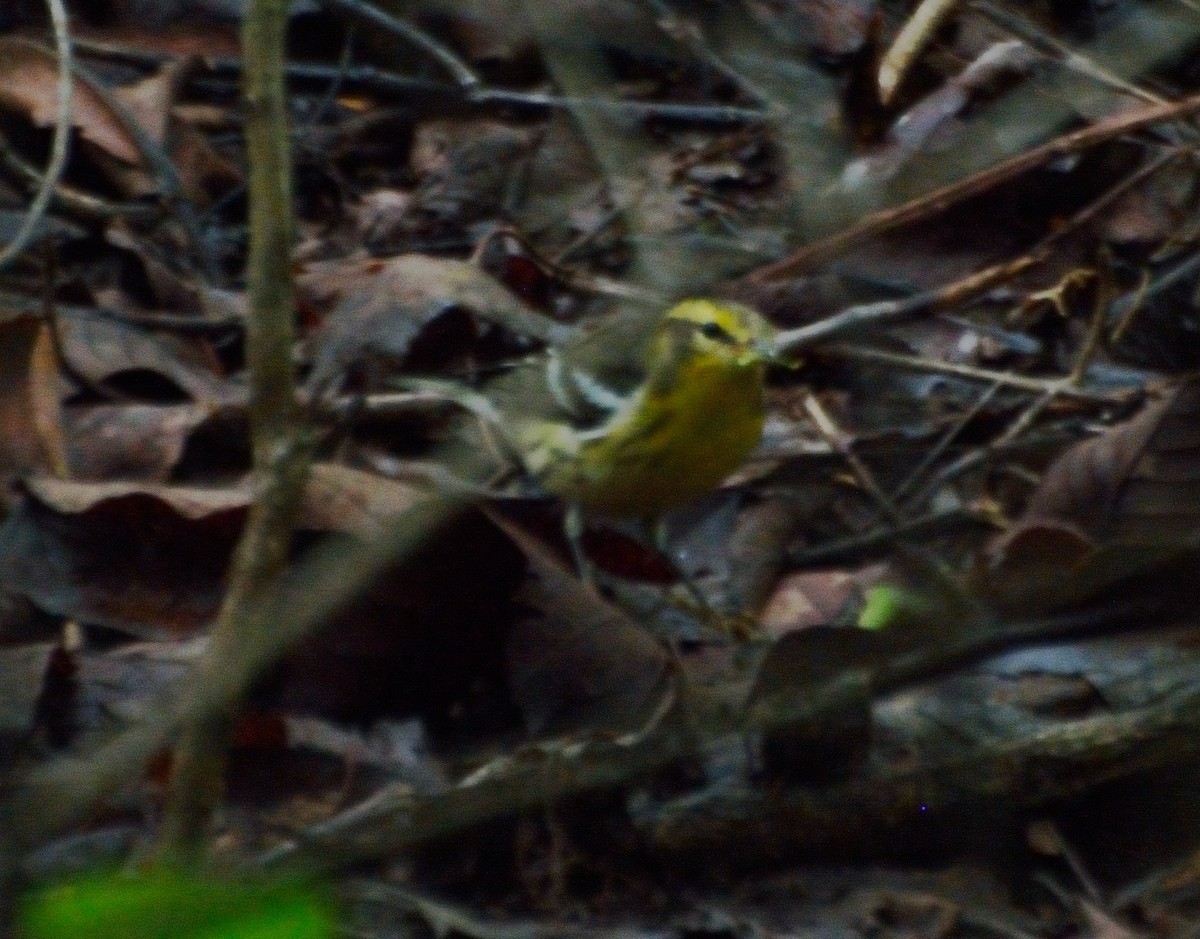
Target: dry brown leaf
{"x": 106, "y": 351}
{"x": 28, "y": 83}
{"x": 1122, "y": 505}
{"x": 191, "y": 502}
{"x": 578, "y": 661}
{"x": 23, "y": 406}
{"x": 148, "y": 102}
{"x": 47, "y": 388}
{"x": 383, "y": 306}
{"x": 145, "y": 560}
{"x": 142, "y": 442}
{"x": 1138, "y": 481}
{"x": 339, "y": 498}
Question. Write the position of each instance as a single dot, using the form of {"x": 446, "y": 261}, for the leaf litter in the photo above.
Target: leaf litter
{"x": 487, "y": 743}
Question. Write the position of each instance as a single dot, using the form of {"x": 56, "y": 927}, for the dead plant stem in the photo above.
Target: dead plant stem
{"x": 281, "y": 453}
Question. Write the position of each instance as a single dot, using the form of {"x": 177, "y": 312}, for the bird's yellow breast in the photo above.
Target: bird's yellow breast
{"x": 668, "y": 447}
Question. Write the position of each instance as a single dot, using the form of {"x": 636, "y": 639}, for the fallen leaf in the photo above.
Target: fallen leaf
{"x": 578, "y": 662}
{"x": 380, "y": 308}
{"x": 28, "y": 83}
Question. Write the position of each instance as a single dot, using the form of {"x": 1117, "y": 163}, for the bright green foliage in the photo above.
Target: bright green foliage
{"x": 888, "y": 606}
{"x": 175, "y": 904}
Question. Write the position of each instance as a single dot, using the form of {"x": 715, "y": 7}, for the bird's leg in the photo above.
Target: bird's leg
{"x": 737, "y": 625}
{"x": 660, "y": 538}
{"x": 573, "y": 529}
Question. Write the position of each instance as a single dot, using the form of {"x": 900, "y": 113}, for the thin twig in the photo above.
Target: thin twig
{"x": 60, "y": 146}
{"x": 913, "y": 37}
{"x": 836, "y": 439}
{"x": 282, "y": 450}
{"x": 1097, "y": 328}
{"x": 688, "y": 33}
{"x": 1103, "y": 201}
{"x": 934, "y": 453}
{"x": 455, "y": 67}
{"x": 75, "y": 201}
{"x": 939, "y": 200}
{"x": 976, "y": 457}
{"x": 882, "y": 536}
{"x": 867, "y": 317}
{"x": 1029, "y": 32}
{"x": 915, "y": 363}
{"x": 436, "y": 96}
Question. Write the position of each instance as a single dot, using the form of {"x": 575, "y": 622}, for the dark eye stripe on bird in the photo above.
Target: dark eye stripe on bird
{"x": 716, "y": 331}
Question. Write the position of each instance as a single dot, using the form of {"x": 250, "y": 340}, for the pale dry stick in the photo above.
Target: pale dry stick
{"x": 970, "y": 373}
{"x": 944, "y": 442}
{"x": 943, "y": 198}
{"x": 689, "y": 34}
{"x": 909, "y": 43}
{"x": 1079, "y": 868}
{"x": 1096, "y": 331}
{"x": 866, "y": 317}
{"x": 282, "y": 448}
{"x": 59, "y": 147}
{"x": 974, "y": 458}
{"x": 455, "y": 67}
{"x": 923, "y": 526}
{"x": 713, "y": 114}
{"x": 1029, "y": 32}
{"x": 827, "y": 427}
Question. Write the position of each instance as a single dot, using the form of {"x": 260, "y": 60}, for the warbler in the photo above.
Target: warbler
{"x": 691, "y": 422}
{"x": 692, "y": 419}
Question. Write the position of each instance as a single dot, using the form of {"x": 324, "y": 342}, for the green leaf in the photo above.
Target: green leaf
{"x": 176, "y": 904}
{"x": 888, "y": 606}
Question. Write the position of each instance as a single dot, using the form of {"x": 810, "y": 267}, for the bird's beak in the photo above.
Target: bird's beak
{"x": 765, "y": 350}
{"x": 757, "y": 350}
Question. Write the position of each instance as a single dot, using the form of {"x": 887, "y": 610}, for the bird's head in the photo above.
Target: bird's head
{"x": 729, "y": 333}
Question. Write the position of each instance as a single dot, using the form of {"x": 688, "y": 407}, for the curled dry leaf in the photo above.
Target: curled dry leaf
{"x": 150, "y": 102}
{"x": 381, "y": 307}
{"x": 339, "y": 498}
{"x": 166, "y": 288}
{"x": 28, "y": 80}
{"x": 578, "y": 662}
{"x": 145, "y": 560}
{"x": 131, "y": 441}
{"x": 103, "y": 351}
{"x": 1124, "y": 504}
{"x": 30, "y": 439}
{"x": 1140, "y": 480}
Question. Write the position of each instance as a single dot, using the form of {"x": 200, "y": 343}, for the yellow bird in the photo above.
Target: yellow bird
{"x": 691, "y": 422}
{"x": 693, "y": 418}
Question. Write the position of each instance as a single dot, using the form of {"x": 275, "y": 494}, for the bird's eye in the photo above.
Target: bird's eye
{"x": 717, "y": 332}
